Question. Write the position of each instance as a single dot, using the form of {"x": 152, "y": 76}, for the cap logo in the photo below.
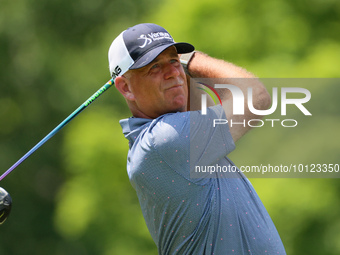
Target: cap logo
{"x": 149, "y": 38}
{"x": 116, "y": 72}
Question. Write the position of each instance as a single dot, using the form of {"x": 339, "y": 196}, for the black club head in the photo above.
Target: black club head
{"x": 5, "y": 205}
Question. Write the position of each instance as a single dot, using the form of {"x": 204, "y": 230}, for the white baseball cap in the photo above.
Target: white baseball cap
{"x": 139, "y": 45}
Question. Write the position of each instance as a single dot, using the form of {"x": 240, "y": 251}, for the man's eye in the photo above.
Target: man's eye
{"x": 175, "y": 62}
{"x": 154, "y": 66}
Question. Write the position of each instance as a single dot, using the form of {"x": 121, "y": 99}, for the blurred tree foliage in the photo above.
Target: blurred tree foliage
{"x": 73, "y": 195}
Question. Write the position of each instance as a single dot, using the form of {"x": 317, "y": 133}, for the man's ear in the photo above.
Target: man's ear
{"x": 122, "y": 85}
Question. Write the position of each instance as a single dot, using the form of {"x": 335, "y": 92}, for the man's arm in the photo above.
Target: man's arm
{"x": 203, "y": 66}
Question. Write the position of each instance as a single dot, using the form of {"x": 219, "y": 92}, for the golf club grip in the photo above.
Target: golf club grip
{"x": 60, "y": 126}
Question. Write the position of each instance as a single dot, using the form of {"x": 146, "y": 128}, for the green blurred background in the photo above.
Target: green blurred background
{"x": 73, "y": 195}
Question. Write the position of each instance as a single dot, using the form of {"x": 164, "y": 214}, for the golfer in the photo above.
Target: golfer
{"x": 208, "y": 213}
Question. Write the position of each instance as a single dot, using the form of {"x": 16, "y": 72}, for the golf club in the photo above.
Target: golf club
{"x": 5, "y": 205}
{"x": 59, "y": 127}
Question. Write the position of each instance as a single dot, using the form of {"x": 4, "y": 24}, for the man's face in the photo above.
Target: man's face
{"x": 160, "y": 87}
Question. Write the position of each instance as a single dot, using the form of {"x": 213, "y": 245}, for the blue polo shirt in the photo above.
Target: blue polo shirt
{"x": 189, "y": 210}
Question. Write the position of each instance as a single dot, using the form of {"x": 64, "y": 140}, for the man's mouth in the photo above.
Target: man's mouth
{"x": 176, "y": 86}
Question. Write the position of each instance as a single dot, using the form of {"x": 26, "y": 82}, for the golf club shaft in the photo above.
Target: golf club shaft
{"x": 60, "y": 126}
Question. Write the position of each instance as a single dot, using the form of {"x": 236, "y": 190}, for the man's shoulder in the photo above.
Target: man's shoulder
{"x": 132, "y": 123}
{"x": 170, "y": 128}
{"x": 171, "y": 119}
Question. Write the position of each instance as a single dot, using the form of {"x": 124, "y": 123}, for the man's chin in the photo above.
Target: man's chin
{"x": 182, "y": 108}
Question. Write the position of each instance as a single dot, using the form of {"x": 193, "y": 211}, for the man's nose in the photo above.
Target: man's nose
{"x": 171, "y": 71}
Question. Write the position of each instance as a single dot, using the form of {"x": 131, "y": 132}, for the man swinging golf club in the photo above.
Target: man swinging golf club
{"x": 186, "y": 215}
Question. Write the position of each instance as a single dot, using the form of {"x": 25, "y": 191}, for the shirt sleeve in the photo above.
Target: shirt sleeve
{"x": 210, "y": 137}
{"x": 185, "y": 140}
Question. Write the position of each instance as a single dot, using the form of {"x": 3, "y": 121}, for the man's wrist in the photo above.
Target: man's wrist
{"x": 185, "y": 60}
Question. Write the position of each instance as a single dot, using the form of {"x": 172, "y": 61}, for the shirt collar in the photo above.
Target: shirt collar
{"x": 132, "y": 127}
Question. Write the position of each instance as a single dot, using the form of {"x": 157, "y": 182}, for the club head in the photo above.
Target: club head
{"x": 5, "y": 205}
